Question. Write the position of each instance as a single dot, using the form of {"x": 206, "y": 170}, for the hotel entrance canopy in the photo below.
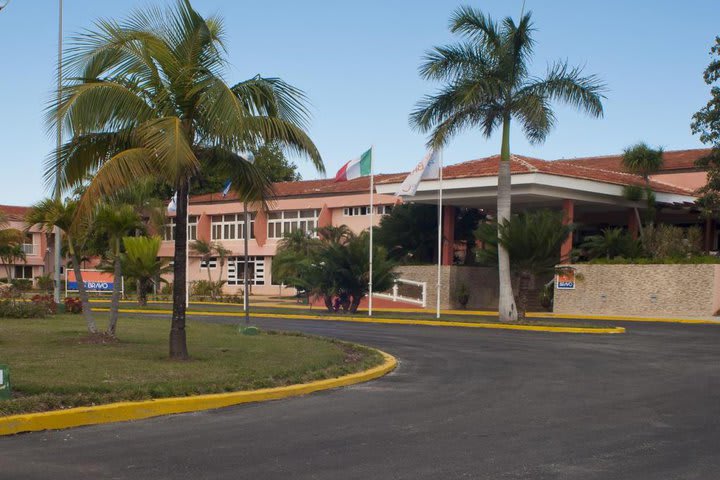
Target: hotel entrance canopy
{"x": 539, "y": 184}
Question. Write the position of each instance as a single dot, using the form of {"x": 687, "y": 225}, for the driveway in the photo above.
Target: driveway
{"x": 463, "y": 403}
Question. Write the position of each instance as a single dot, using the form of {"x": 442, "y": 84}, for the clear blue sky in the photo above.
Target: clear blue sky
{"x": 358, "y": 63}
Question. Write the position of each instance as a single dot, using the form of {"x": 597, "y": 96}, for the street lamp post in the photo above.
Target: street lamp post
{"x": 58, "y": 244}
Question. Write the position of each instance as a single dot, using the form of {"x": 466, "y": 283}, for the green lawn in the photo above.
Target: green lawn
{"x": 52, "y": 367}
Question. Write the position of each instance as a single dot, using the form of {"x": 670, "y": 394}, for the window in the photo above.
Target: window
{"x": 365, "y": 210}
{"x": 231, "y": 227}
{"x": 256, "y": 270}
{"x": 169, "y": 230}
{"x": 212, "y": 262}
{"x": 281, "y": 223}
{"x": 23, "y": 271}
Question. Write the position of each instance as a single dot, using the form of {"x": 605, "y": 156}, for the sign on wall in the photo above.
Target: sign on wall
{"x": 95, "y": 281}
{"x": 565, "y": 279}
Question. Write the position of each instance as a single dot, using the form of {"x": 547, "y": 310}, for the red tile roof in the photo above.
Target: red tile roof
{"x": 673, "y": 160}
{"x": 14, "y": 212}
{"x": 606, "y": 169}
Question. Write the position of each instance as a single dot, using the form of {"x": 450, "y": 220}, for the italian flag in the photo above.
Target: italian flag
{"x": 358, "y": 167}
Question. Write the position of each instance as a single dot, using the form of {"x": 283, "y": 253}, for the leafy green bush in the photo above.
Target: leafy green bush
{"x": 694, "y": 260}
{"x": 13, "y": 308}
{"x": 668, "y": 241}
{"x": 22, "y": 284}
{"x": 45, "y": 283}
{"x": 206, "y": 288}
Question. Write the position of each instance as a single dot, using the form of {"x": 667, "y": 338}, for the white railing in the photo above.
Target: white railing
{"x": 28, "y": 249}
{"x": 396, "y": 296}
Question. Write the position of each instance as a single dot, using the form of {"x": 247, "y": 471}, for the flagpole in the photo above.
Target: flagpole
{"x": 372, "y": 217}
{"x": 439, "y": 259}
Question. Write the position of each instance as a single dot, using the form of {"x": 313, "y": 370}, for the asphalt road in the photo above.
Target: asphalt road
{"x": 463, "y": 403}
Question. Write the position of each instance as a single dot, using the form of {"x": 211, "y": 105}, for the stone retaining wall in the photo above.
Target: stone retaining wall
{"x": 646, "y": 290}
{"x": 481, "y": 284}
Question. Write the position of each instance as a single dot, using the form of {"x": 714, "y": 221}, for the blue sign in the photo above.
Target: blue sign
{"x": 92, "y": 286}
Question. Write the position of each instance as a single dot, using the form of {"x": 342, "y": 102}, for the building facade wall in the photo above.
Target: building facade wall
{"x": 331, "y": 211}
{"x": 644, "y": 290}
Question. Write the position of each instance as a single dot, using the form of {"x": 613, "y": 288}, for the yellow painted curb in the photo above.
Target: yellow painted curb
{"x": 620, "y": 318}
{"x": 392, "y": 321}
{"x": 124, "y": 411}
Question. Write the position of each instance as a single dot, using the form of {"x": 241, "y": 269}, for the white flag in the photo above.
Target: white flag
{"x": 172, "y": 206}
{"x": 428, "y": 168}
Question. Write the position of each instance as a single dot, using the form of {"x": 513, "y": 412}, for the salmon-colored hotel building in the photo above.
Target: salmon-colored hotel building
{"x": 588, "y": 190}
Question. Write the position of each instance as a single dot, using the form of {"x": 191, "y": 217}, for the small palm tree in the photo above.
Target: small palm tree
{"x": 116, "y": 221}
{"x": 146, "y": 98}
{"x": 349, "y": 266}
{"x": 11, "y": 250}
{"x": 142, "y": 264}
{"x": 222, "y": 255}
{"x": 336, "y": 234}
{"x": 206, "y": 250}
{"x": 488, "y": 84}
{"x": 611, "y": 243}
{"x": 50, "y": 213}
{"x": 533, "y": 240}
{"x": 643, "y": 160}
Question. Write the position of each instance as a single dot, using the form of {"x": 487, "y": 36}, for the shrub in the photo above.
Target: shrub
{"x": 21, "y": 284}
{"x": 45, "y": 301}
{"x": 45, "y": 283}
{"x": 166, "y": 289}
{"x": 206, "y": 288}
{"x": 462, "y": 296}
{"x": 11, "y": 308}
{"x": 694, "y": 260}
{"x": 668, "y": 241}
{"x": 73, "y": 305}
{"x": 547, "y": 296}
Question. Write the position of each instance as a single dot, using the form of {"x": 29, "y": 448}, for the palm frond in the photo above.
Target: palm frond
{"x": 570, "y": 86}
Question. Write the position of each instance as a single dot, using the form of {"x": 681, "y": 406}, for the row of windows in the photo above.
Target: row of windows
{"x": 232, "y": 226}
{"x": 281, "y": 223}
{"x": 236, "y": 269}
{"x": 365, "y": 210}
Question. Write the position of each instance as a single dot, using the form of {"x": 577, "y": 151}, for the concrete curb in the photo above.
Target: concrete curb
{"x": 390, "y": 321}
{"x": 124, "y": 411}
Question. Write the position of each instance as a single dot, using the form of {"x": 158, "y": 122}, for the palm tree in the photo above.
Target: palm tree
{"x": 142, "y": 264}
{"x": 335, "y": 234}
{"x": 51, "y": 213}
{"x": 488, "y": 84}
{"x": 349, "y": 266}
{"x": 642, "y": 160}
{"x": 206, "y": 250}
{"x": 11, "y": 250}
{"x": 222, "y": 254}
{"x": 611, "y": 243}
{"x": 116, "y": 221}
{"x": 146, "y": 98}
{"x": 533, "y": 240}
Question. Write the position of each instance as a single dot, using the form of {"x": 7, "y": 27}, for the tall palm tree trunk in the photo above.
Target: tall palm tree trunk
{"x": 84, "y": 299}
{"x": 115, "y": 302}
{"x": 178, "y": 337}
{"x": 523, "y": 290}
{"x": 506, "y": 300}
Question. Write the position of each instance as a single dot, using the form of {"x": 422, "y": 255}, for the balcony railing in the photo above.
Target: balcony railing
{"x": 28, "y": 249}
